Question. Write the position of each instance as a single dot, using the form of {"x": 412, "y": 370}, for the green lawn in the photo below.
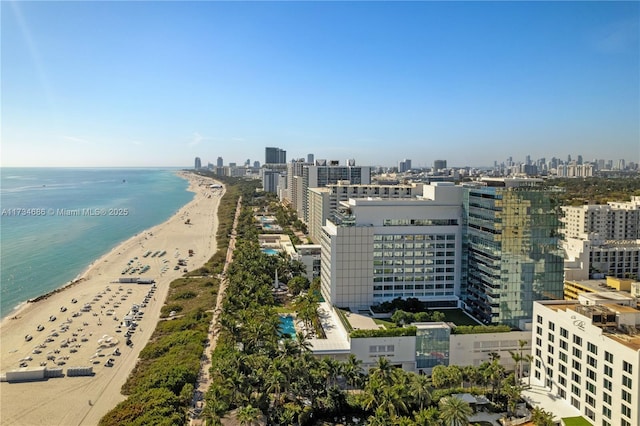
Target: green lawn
{"x": 387, "y": 324}
{"x": 575, "y": 421}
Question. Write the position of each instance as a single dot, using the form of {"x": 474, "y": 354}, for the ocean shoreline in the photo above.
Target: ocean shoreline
{"x": 108, "y": 303}
{"x": 17, "y": 309}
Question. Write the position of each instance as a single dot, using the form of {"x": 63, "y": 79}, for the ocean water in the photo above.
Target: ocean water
{"x": 56, "y": 221}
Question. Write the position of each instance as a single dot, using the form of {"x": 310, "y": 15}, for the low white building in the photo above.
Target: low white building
{"x": 433, "y": 344}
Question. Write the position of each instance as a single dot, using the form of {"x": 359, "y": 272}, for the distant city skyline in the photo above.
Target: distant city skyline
{"x": 155, "y": 84}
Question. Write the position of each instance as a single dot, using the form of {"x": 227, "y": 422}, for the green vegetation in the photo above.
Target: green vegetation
{"x": 595, "y": 190}
{"x": 161, "y": 384}
{"x": 478, "y": 329}
{"x": 385, "y": 332}
{"x": 261, "y": 376}
{"x": 575, "y": 421}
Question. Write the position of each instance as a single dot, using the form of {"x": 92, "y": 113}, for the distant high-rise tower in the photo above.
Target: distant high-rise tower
{"x": 310, "y": 158}
{"x": 219, "y": 162}
{"x": 256, "y": 164}
{"x": 275, "y": 156}
{"x": 198, "y": 163}
{"x": 579, "y": 159}
{"x": 439, "y": 165}
{"x": 513, "y": 256}
{"x": 404, "y": 165}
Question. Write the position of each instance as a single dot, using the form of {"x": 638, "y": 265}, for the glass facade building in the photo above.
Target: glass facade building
{"x": 432, "y": 346}
{"x": 512, "y": 249}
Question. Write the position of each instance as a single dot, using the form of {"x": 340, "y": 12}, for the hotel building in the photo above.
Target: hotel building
{"x": 374, "y": 250}
{"x": 587, "y": 353}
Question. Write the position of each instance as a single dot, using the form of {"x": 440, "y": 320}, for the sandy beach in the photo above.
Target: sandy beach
{"x": 81, "y": 325}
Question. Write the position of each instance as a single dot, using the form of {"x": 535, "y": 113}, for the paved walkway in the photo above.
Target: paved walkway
{"x": 204, "y": 380}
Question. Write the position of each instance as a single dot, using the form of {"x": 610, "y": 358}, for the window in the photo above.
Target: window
{"x": 589, "y": 413}
{"x": 551, "y": 337}
{"x": 606, "y": 411}
{"x": 539, "y": 318}
{"x": 591, "y": 374}
{"x": 564, "y": 333}
{"x": 608, "y": 357}
{"x": 576, "y": 365}
{"x": 627, "y": 367}
{"x": 590, "y": 400}
{"x": 626, "y": 381}
{"x": 539, "y": 331}
{"x": 552, "y": 326}
{"x": 606, "y": 398}
{"x": 563, "y": 356}
{"x": 577, "y": 353}
{"x": 577, "y": 340}
{"x": 563, "y": 369}
{"x": 607, "y": 384}
{"x": 608, "y": 371}
{"x": 626, "y": 410}
{"x": 564, "y": 345}
{"x": 626, "y": 396}
{"x": 592, "y": 348}
{"x": 592, "y": 361}
{"x": 591, "y": 387}
{"x": 576, "y": 378}
{"x": 575, "y": 403}
{"x": 550, "y": 349}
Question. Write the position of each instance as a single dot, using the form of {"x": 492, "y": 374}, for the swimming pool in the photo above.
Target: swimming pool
{"x": 287, "y": 327}
{"x": 270, "y": 251}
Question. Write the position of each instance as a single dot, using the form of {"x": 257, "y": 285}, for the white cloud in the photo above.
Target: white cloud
{"x": 75, "y": 139}
{"x": 196, "y": 139}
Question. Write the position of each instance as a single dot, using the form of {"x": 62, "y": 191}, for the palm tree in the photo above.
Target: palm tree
{"x": 419, "y": 390}
{"x": 428, "y": 417}
{"x": 517, "y": 359}
{"x": 352, "y": 370}
{"x": 383, "y": 371}
{"x": 540, "y": 417}
{"x": 454, "y": 411}
{"x": 529, "y": 359}
{"x": 248, "y": 415}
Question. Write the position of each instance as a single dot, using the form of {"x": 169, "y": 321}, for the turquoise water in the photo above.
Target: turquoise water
{"x": 286, "y": 325}
{"x": 269, "y": 251}
{"x": 45, "y": 250}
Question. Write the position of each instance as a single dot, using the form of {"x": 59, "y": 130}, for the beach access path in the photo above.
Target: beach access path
{"x": 77, "y": 339}
{"x": 204, "y": 378}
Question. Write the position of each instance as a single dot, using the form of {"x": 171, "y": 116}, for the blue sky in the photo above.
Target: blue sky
{"x": 157, "y": 83}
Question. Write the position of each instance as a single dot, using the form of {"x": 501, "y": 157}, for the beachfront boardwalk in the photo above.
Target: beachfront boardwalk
{"x": 204, "y": 379}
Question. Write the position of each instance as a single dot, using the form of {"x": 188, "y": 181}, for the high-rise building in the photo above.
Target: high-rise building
{"x": 219, "y": 162}
{"x": 404, "y": 165}
{"x": 587, "y": 354}
{"x": 275, "y": 156}
{"x": 310, "y": 158}
{"x": 319, "y": 176}
{"x": 439, "y": 165}
{"x": 198, "y": 163}
{"x": 602, "y": 240}
{"x": 374, "y": 250}
{"x": 270, "y": 180}
{"x": 513, "y": 255}
{"x": 324, "y": 201}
